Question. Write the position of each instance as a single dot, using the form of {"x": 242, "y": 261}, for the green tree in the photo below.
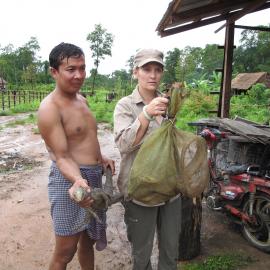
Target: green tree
{"x": 190, "y": 63}
{"x": 8, "y": 67}
{"x": 253, "y": 53}
{"x": 130, "y": 65}
{"x": 20, "y": 66}
{"x": 121, "y": 79}
{"x": 100, "y": 44}
{"x": 172, "y": 59}
{"x": 30, "y": 75}
{"x": 27, "y": 60}
{"x": 100, "y": 81}
{"x": 43, "y": 72}
{"x": 212, "y": 58}
{"x": 182, "y": 65}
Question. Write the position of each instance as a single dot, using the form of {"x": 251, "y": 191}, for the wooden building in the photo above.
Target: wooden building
{"x": 244, "y": 81}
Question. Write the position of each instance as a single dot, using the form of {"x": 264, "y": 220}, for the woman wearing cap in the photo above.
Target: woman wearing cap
{"x": 135, "y": 117}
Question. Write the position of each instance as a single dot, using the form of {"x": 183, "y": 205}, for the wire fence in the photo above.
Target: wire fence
{"x": 11, "y": 98}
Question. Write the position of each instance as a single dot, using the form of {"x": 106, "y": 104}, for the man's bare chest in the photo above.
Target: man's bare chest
{"x": 78, "y": 124}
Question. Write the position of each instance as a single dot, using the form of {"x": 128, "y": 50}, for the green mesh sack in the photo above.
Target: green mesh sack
{"x": 169, "y": 162}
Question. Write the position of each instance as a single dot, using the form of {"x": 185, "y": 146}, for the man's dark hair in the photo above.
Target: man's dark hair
{"x": 62, "y": 51}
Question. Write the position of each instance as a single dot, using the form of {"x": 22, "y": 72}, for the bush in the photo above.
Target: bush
{"x": 253, "y": 106}
{"x": 102, "y": 110}
{"x": 259, "y": 94}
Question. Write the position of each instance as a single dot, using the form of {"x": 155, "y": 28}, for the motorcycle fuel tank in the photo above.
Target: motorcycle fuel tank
{"x": 231, "y": 191}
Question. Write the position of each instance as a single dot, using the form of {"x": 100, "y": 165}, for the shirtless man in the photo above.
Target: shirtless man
{"x": 70, "y": 132}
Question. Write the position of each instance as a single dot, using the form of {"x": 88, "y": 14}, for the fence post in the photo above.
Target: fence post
{"x": 3, "y": 100}
{"x": 8, "y": 99}
{"x": 14, "y": 97}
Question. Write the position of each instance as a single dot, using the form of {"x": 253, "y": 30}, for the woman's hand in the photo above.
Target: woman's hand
{"x": 157, "y": 106}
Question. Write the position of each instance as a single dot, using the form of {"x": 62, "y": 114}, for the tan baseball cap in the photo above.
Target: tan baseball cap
{"x": 145, "y": 56}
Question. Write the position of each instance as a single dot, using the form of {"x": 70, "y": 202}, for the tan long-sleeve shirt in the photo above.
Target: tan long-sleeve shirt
{"x": 126, "y": 125}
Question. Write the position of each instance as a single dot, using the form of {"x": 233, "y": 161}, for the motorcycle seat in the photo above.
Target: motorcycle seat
{"x": 235, "y": 169}
{"x": 254, "y": 170}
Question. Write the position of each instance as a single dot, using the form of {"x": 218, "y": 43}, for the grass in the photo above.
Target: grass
{"x": 31, "y": 119}
{"x": 230, "y": 261}
{"x": 5, "y": 113}
{"x": 103, "y": 111}
{"x": 195, "y": 107}
{"x": 21, "y": 108}
{"x": 27, "y": 107}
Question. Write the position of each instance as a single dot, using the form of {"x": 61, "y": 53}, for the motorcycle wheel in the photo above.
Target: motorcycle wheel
{"x": 258, "y": 233}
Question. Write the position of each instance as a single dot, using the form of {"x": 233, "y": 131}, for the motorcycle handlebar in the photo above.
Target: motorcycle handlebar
{"x": 212, "y": 134}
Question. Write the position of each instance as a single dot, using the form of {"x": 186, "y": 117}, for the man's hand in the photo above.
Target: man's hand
{"x": 108, "y": 162}
{"x": 84, "y": 201}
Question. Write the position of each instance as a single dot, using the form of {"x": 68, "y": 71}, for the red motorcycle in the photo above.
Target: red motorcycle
{"x": 240, "y": 185}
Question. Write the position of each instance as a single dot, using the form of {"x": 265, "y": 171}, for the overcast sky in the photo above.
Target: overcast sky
{"x": 132, "y": 23}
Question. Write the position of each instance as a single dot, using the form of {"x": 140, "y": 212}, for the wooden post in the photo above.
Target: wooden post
{"x": 228, "y": 59}
{"x": 190, "y": 235}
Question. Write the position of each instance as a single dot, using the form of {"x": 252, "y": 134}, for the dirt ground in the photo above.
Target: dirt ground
{"x": 26, "y": 236}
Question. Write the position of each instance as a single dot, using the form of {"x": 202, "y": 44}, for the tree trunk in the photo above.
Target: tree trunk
{"x": 189, "y": 239}
{"x": 93, "y": 83}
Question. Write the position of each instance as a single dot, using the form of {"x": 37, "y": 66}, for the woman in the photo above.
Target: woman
{"x": 135, "y": 117}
